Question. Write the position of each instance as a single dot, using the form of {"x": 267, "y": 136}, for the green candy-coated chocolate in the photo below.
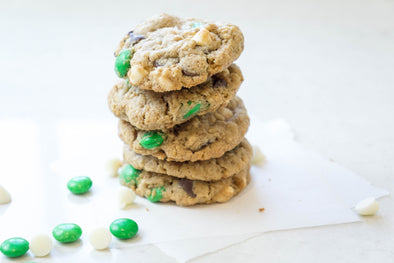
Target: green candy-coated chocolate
{"x": 196, "y": 24}
{"x": 123, "y": 228}
{"x": 156, "y": 194}
{"x": 79, "y": 185}
{"x": 193, "y": 111}
{"x": 67, "y": 232}
{"x": 14, "y": 247}
{"x": 122, "y": 62}
{"x": 151, "y": 140}
{"x": 128, "y": 174}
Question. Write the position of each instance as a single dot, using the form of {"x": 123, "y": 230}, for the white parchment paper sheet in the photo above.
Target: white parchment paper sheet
{"x": 296, "y": 187}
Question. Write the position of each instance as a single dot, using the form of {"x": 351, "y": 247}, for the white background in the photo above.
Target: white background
{"x": 327, "y": 67}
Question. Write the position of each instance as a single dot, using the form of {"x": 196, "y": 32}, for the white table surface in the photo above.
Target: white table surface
{"x": 327, "y": 67}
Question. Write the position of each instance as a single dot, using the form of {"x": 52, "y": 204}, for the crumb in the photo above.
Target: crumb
{"x": 269, "y": 179}
{"x": 147, "y": 210}
{"x": 331, "y": 160}
{"x": 261, "y": 209}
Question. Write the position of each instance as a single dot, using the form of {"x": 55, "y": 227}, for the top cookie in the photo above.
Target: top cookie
{"x": 168, "y": 53}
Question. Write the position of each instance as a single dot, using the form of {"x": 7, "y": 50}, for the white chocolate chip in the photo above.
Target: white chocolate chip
{"x": 202, "y": 37}
{"x": 5, "y": 196}
{"x": 166, "y": 83}
{"x": 137, "y": 73}
{"x": 258, "y": 158}
{"x": 40, "y": 245}
{"x": 126, "y": 197}
{"x": 225, "y": 194}
{"x": 100, "y": 238}
{"x": 112, "y": 166}
{"x": 367, "y": 207}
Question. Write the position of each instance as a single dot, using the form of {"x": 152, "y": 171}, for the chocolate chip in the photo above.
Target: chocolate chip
{"x": 176, "y": 130}
{"x": 218, "y": 82}
{"x": 187, "y": 185}
{"x": 157, "y": 64}
{"x": 188, "y": 73}
{"x": 134, "y": 38}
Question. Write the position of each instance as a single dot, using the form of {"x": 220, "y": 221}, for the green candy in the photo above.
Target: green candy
{"x": 128, "y": 174}
{"x": 123, "y": 228}
{"x": 122, "y": 62}
{"x": 79, "y": 185}
{"x": 193, "y": 111}
{"x": 156, "y": 194}
{"x": 151, "y": 140}
{"x": 67, "y": 233}
{"x": 196, "y": 24}
{"x": 14, "y": 247}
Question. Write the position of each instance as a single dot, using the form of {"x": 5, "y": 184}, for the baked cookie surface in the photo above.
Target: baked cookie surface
{"x": 167, "y": 53}
{"x": 209, "y": 170}
{"x": 184, "y": 192}
{"x": 202, "y": 138}
{"x": 148, "y": 110}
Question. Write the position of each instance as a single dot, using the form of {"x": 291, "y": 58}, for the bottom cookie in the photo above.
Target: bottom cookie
{"x": 184, "y": 192}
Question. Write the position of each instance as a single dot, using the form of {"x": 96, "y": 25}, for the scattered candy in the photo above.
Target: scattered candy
{"x": 67, "y": 233}
{"x": 126, "y": 196}
{"x": 123, "y": 228}
{"x": 79, "y": 184}
{"x": 156, "y": 194}
{"x": 5, "y": 196}
{"x": 112, "y": 166}
{"x": 367, "y": 207}
{"x": 151, "y": 140}
{"x": 129, "y": 175}
{"x": 100, "y": 238}
{"x": 41, "y": 245}
{"x": 258, "y": 157}
{"x": 14, "y": 247}
{"x": 122, "y": 63}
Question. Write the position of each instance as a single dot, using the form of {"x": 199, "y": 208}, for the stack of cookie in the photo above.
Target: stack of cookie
{"x": 181, "y": 122}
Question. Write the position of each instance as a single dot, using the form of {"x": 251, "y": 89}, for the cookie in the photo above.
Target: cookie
{"x": 167, "y": 53}
{"x": 202, "y": 138}
{"x": 148, "y": 110}
{"x": 209, "y": 170}
{"x": 184, "y": 192}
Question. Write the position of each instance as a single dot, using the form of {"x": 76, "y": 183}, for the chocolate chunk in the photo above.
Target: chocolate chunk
{"x": 157, "y": 64}
{"x": 188, "y": 73}
{"x": 187, "y": 185}
{"x": 134, "y": 38}
{"x": 176, "y": 130}
{"x": 218, "y": 82}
